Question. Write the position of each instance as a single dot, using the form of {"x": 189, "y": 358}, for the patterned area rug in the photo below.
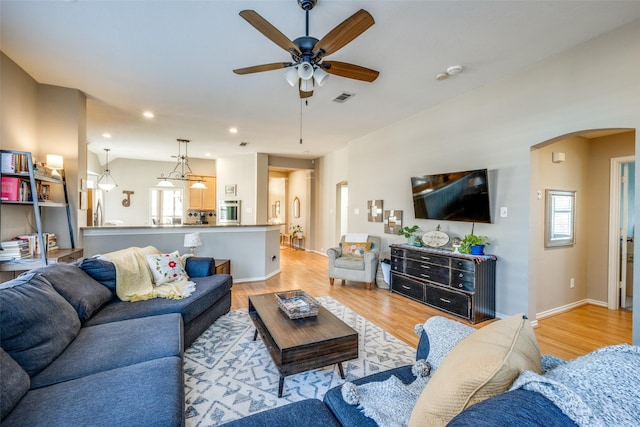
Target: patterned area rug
{"x": 229, "y": 376}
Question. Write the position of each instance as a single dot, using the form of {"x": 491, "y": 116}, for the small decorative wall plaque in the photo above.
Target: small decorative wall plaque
{"x": 374, "y": 210}
{"x": 392, "y": 222}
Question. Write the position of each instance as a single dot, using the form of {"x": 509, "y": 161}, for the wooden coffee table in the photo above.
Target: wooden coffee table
{"x": 302, "y": 344}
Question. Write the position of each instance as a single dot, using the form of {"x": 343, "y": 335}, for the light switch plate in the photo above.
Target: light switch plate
{"x": 504, "y": 212}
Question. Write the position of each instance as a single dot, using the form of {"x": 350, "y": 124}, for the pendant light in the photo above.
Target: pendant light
{"x": 181, "y": 171}
{"x": 106, "y": 182}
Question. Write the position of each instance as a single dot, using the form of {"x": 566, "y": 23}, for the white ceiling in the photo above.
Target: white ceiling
{"x": 175, "y": 58}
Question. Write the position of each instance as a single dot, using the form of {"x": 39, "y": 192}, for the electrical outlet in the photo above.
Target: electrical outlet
{"x": 572, "y": 283}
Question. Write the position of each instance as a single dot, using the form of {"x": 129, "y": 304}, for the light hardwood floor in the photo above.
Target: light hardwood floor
{"x": 566, "y": 335}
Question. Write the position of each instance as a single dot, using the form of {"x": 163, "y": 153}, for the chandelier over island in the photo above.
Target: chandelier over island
{"x": 182, "y": 170}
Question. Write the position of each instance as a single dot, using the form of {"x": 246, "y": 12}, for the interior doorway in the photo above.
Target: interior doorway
{"x": 342, "y": 209}
{"x": 621, "y": 230}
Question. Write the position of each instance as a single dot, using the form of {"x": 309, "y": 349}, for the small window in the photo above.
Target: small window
{"x": 560, "y": 218}
{"x": 166, "y": 206}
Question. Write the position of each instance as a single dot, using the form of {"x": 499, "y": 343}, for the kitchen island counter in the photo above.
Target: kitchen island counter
{"x": 254, "y": 250}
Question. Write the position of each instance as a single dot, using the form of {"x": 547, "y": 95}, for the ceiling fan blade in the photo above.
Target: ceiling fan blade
{"x": 271, "y": 32}
{"x": 260, "y": 68}
{"x": 350, "y": 71}
{"x": 348, "y": 30}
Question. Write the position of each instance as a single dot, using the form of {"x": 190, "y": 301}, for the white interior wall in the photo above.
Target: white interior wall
{"x": 494, "y": 127}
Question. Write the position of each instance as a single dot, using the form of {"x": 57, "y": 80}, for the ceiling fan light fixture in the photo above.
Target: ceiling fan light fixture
{"x": 306, "y": 85}
{"x": 291, "y": 76}
{"x": 320, "y": 76}
{"x": 305, "y": 70}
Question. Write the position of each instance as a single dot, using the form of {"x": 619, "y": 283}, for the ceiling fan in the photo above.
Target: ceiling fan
{"x": 307, "y": 53}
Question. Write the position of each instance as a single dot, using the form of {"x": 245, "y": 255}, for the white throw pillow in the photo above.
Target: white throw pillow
{"x": 166, "y": 268}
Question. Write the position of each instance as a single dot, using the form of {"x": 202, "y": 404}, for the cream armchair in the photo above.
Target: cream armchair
{"x": 358, "y": 268}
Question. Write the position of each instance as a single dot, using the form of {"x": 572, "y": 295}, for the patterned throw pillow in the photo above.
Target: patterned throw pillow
{"x": 166, "y": 268}
{"x": 355, "y": 248}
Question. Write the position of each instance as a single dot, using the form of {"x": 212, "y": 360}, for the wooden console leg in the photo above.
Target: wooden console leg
{"x": 331, "y": 279}
{"x": 342, "y": 282}
{"x": 368, "y": 285}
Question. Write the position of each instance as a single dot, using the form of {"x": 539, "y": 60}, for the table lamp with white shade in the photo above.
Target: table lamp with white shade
{"x": 192, "y": 241}
{"x": 55, "y": 162}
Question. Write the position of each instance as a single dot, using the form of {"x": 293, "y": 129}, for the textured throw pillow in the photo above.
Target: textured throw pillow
{"x": 443, "y": 335}
{"x": 15, "y": 383}
{"x": 36, "y": 323}
{"x": 482, "y": 365}
{"x": 355, "y": 248}
{"x": 166, "y": 268}
{"x": 79, "y": 289}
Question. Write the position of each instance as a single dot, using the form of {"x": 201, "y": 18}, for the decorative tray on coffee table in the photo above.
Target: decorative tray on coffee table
{"x": 297, "y": 304}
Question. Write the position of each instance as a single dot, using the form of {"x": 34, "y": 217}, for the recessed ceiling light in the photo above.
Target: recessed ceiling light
{"x": 106, "y": 135}
{"x": 207, "y": 154}
{"x": 454, "y": 69}
{"x": 148, "y": 114}
{"x": 233, "y": 130}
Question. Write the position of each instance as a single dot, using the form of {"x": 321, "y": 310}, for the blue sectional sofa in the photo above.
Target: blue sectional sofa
{"x": 491, "y": 377}
{"x": 73, "y": 354}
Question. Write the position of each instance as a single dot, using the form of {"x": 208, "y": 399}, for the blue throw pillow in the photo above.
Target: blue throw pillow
{"x": 101, "y": 270}
{"x": 79, "y": 289}
{"x": 36, "y": 323}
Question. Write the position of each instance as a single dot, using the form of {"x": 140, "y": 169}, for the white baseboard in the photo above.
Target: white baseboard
{"x": 561, "y": 309}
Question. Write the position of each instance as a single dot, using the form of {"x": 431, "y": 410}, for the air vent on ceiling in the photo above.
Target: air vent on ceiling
{"x": 243, "y": 144}
{"x": 343, "y": 97}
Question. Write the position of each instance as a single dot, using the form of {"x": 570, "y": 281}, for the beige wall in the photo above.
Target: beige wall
{"x": 44, "y": 120}
{"x": 602, "y": 150}
{"x": 555, "y": 267}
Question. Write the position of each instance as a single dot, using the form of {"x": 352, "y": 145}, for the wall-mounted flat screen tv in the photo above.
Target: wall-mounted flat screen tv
{"x": 455, "y": 196}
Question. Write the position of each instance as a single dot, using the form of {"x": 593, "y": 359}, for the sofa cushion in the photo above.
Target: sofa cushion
{"x": 101, "y": 270}
{"x": 114, "y": 345}
{"x": 308, "y": 413}
{"x": 15, "y": 383}
{"x": 351, "y": 262}
{"x": 200, "y": 266}
{"x": 355, "y": 248}
{"x": 208, "y": 291}
{"x": 482, "y": 365}
{"x": 145, "y": 394}
{"x": 522, "y": 408}
{"x": 79, "y": 289}
{"x": 36, "y": 323}
{"x": 166, "y": 268}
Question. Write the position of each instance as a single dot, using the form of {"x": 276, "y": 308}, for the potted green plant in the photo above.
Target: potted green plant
{"x": 409, "y": 233}
{"x": 296, "y": 231}
{"x": 474, "y": 245}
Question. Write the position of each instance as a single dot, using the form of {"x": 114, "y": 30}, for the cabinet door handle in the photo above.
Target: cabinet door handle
{"x": 426, "y": 276}
{"x": 425, "y": 266}
{"x": 425, "y": 257}
{"x": 445, "y": 300}
{"x": 406, "y": 287}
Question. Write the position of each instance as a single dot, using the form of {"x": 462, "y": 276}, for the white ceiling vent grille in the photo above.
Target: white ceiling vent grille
{"x": 343, "y": 97}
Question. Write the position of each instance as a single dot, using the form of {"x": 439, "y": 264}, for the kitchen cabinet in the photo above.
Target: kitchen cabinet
{"x": 203, "y": 198}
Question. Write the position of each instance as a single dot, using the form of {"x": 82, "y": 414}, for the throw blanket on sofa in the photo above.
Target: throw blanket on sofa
{"x": 601, "y": 388}
{"x": 133, "y": 277}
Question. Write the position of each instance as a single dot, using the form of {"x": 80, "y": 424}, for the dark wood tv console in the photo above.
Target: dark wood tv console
{"x": 462, "y": 285}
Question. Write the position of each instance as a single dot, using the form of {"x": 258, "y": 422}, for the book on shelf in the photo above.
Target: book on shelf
{"x": 14, "y": 163}
{"x": 14, "y": 249}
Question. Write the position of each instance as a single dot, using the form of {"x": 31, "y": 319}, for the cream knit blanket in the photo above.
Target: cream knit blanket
{"x": 134, "y": 281}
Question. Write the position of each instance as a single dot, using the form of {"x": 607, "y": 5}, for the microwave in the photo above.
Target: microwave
{"x": 228, "y": 212}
